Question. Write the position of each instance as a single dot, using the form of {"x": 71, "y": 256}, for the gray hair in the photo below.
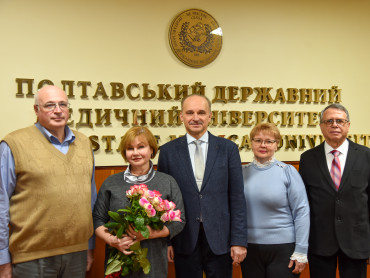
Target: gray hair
{"x": 334, "y": 106}
{"x": 37, "y": 97}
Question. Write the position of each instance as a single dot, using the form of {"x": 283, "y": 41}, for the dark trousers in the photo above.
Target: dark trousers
{"x": 203, "y": 259}
{"x": 71, "y": 265}
{"x": 326, "y": 266}
{"x": 268, "y": 261}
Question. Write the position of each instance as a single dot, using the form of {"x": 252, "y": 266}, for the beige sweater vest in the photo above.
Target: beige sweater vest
{"x": 50, "y": 209}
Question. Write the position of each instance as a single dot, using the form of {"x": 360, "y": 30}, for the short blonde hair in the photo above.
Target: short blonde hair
{"x": 268, "y": 128}
{"x": 143, "y": 133}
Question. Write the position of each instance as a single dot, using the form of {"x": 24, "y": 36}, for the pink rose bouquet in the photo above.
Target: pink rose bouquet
{"x": 147, "y": 209}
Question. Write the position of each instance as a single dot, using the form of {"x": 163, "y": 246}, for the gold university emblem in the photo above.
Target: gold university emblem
{"x": 195, "y": 38}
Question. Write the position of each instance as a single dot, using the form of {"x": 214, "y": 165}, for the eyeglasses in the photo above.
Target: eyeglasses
{"x": 268, "y": 143}
{"x": 51, "y": 106}
{"x": 340, "y": 122}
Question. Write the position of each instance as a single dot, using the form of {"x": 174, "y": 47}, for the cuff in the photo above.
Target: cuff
{"x": 299, "y": 257}
{"x": 5, "y": 256}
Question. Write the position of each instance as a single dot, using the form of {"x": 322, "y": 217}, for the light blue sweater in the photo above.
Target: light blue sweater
{"x": 277, "y": 206}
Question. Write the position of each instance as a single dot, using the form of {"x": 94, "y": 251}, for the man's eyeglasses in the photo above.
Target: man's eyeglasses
{"x": 51, "y": 106}
{"x": 340, "y": 122}
{"x": 268, "y": 143}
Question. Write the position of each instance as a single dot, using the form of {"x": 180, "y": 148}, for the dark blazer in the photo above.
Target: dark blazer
{"x": 220, "y": 201}
{"x": 339, "y": 219}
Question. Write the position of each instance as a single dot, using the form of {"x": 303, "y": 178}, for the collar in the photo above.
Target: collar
{"x": 342, "y": 148}
{"x": 69, "y": 136}
{"x": 190, "y": 139}
{"x": 130, "y": 178}
{"x": 263, "y": 165}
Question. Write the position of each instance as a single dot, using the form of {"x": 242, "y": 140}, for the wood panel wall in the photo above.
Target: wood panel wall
{"x": 101, "y": 173}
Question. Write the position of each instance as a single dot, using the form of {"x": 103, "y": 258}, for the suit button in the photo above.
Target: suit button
{"x": 338, "y": 201}
{"x": 339, "y": 219}
{"x": 200, "y": 196}
{"x": 198, "y": 219}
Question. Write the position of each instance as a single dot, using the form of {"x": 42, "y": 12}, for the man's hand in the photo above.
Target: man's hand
{"x": 90, "y": 259}
{"x": 238, "y": 254}
{"x": 6, "y": 270}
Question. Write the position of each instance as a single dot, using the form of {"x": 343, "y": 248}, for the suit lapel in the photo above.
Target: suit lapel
{"x": 321, "y": 159}
{"x": 184, "y": 159}
{"x": 212, "y": 153}
{"x": 350, "y": 161}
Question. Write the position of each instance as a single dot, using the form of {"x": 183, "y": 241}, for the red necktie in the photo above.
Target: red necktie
{"x": 335, "y": 170}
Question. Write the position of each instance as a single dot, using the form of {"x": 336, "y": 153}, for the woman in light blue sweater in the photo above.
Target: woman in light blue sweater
{"x": 277, "y": 211}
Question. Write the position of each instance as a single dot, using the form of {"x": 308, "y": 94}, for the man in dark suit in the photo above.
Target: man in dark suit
{"x": 337, "y": 178}
{"x": 214, "y": 236}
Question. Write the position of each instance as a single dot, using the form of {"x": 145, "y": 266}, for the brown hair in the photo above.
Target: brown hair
{"x": 268, "y": 128}
{"x": 143, "y": 133}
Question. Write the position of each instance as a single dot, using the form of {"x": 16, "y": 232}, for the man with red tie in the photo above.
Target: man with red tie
{"x": 337, "y": 178}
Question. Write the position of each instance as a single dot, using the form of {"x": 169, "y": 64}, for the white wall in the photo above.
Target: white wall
{"x": 266, "y": 43}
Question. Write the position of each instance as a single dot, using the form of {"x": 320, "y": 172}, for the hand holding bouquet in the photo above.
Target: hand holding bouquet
{"x": 147, "y": 209}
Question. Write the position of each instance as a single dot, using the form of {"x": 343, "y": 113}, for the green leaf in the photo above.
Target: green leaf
{"x": 125, "y": 271}
{"x": 124, "y": 210}
{"x": 114, "y": 254}
{"x": 115, "y": 216}
{"x": 145, "y": 264}
{"x": 136, "y": 267}
{"x": 135, "y": 246}
{"x": 120, "y": 232}
{"x": 157, "y": 225}
{"x": 145, "y": 232}
{"x": 155, "y": 218}
{"x": 111, "y": 225}
{"x": 130, "y": 217}
{"x": 143, "y": 253}
{"x": 114, "y": 266}
{"x": 129, "y": 260}
{"x": 139, "y": 222}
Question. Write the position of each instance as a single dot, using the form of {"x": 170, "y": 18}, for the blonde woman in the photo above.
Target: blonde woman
{"x": 277, "y": 211}
{"x": 138, "y": 146}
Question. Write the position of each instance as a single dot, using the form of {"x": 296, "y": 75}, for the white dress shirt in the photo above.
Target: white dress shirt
{"x": 192, "y": 148}
{"x": 343, "y": 149}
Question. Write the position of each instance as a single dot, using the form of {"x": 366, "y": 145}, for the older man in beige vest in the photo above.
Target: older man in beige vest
{"x": 47, "y": 191}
